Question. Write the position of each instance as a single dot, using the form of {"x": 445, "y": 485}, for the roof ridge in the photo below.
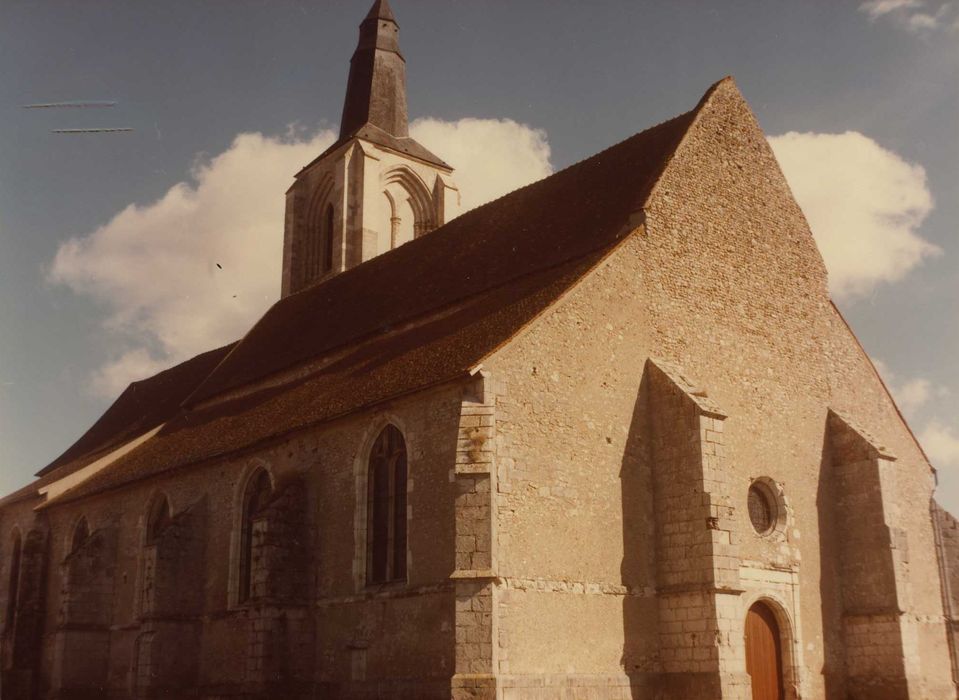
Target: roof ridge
{"x": 131, "y": 407}
{"x": 239, "y": 405}
{"x": 404, "y": 325}
{"x": 426, "y": 155}
{"x": 619, "y": 175}
{"x": 511, "y": 223}
{"x": 482, "y": 277}
{"x": 696, "y": 113}
{"x": 583, "y": 160}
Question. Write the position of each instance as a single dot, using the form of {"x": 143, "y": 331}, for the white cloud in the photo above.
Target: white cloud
{"x": 941, "y": 443}
{"x": 884, "y": 370}
{"x": 920, "y": 20}
{"x": 878, "y": 8}
{"x": 910, "y": 394}
{"x": 913, "y": 15}
{"x": 196, "y": 268}
{"x": 913, "y": 394}
{"x": 190, "y": 271}
{"x": 491, "y": 156}
{"x": 864, "y": 204}
{"x": 112, "y": 378}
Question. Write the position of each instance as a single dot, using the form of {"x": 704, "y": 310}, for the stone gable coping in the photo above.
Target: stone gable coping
{"x": 695, "y": 393}
{"x": 879, "y": 450}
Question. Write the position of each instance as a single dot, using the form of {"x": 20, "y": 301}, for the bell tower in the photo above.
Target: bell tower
{"x": 375, "y": 188}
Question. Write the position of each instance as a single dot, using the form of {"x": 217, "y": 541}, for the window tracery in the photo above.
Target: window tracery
{"x": 386, "y": 508}
{"x": 258, "y": 492}
{"x": 14, "y": 585}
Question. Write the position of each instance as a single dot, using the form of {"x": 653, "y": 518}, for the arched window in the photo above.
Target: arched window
{"x": 401, "y": 221}
{"x": 318, "y": 252}
{"x": 80, "y": 535}
{"x": 386, "y": 509}
{"x": 257, "y": 494}
{"x": 14, "y": 588}
{"x": 158, "y": 519}
{"x": 328, "y": 239}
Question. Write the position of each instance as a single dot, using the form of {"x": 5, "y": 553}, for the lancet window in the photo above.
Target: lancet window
{"x": 386, "y": 508}
{"x": 258, "y": 491}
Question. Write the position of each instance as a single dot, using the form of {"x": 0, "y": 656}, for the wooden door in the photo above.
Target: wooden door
{"x": 764, "y": 653}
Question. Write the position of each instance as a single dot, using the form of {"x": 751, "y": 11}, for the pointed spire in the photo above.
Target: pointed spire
{"x": 376, "y": 90}
{"x": 381, "y": 10}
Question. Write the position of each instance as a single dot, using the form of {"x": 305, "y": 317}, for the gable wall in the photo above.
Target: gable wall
{"x": 564, "y": 435}
{"x": 725, "y": 282}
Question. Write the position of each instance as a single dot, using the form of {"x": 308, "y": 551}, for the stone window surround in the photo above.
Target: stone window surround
{"x": 11, "y": 577}
{"x": 70, "y": 536}
{"x": 418, "y": 195}
{"x": 783, "y": 515}
{"x": 144, "y": 527}
{"x": 389, "y": 451}
{"x": 251, "y": 469}
{"x": 361, "y": 481}
{"x": 137, "y": 670}
{"x": 317, "y": 232}
{"x": 153, "y": 503}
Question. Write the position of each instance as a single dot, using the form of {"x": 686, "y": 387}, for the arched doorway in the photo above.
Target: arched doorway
{"x": 764, "y": 658}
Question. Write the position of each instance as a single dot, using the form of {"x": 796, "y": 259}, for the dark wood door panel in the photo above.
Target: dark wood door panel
{"x": 764, "y": 653}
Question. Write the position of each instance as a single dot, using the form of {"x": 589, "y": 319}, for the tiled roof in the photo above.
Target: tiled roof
{"x": 368, "y": 132}
{"x": 388, "y": 366}
{"x": 142, "y": 406}
{"x": 560, "y": 218}
{"x": 421, "y": 315}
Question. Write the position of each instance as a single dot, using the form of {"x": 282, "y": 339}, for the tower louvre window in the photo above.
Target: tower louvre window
{"x": 311, "y": 261}
{"x": 334, "y": 218}
{"x": 328, "y": 239}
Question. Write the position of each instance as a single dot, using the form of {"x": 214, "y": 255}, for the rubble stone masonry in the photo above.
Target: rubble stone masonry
{"x": 722, "y": 280}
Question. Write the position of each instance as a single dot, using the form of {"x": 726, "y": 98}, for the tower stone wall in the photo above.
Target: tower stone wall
{"x": 375, "y": 188}
{"x": 379, "y": 199}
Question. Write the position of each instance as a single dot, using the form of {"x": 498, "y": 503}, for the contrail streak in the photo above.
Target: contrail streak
{"x": 89, "y": 131}
{"x": 69, "y": 105}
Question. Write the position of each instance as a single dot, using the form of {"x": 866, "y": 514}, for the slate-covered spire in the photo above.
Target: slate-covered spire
{"x": 381, "y": 10}
{"x": 376, "y": 91}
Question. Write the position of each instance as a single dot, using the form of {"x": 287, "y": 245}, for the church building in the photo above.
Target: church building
{"x": 606, "y": 437}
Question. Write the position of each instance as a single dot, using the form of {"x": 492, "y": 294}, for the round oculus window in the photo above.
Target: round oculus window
{"x": 762, "y": 509}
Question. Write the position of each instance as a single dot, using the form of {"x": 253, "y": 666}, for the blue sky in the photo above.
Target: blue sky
{"x": 108, "y": 242}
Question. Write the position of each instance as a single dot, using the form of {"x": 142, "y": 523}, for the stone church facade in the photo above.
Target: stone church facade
{"x": 605, "y": 437}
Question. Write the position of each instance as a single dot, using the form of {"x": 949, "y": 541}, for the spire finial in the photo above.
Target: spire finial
{"x": 381, "y": 10}
{"x": 376, "y": 91}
